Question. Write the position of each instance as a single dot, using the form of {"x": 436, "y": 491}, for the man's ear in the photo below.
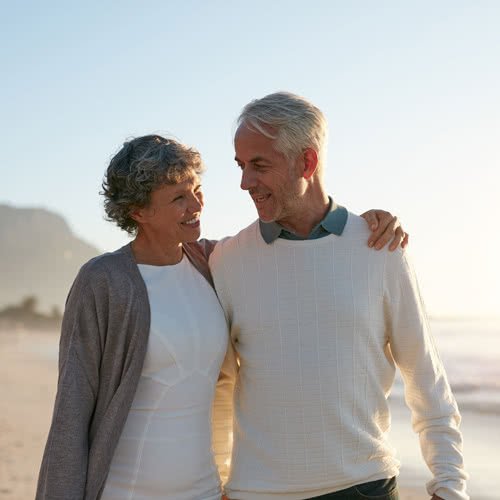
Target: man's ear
{"x": 310, "y": 162}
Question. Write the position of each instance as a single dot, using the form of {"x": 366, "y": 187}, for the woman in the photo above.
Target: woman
{"x": 142, "y": 345}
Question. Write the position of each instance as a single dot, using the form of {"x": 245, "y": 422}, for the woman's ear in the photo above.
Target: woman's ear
{"x": 141, "y": 214}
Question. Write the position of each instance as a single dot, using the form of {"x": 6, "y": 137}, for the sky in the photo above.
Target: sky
{"x": 410, "y": 90}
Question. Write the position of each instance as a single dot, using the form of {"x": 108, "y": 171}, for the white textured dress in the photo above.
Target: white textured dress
{"x": 165, "y": 449}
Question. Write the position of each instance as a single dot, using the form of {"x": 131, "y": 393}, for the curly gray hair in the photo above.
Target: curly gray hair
{"x": 142, "y": 165}
{"x": 294, "y": 122}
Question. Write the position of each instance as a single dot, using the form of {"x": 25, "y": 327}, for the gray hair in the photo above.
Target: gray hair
{"x": 142, "y": 165}
{"x": 294, "y": 123}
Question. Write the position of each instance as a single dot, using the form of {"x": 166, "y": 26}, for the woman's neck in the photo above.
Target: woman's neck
{"x": 150, "y": 251}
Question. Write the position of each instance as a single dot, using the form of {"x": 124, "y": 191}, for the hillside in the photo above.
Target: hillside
{"x": 39, "y": 256}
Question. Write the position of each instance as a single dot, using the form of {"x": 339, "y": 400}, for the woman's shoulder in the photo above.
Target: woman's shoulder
{"x": 108, "y": 265}
{"x": 203, "y": 248}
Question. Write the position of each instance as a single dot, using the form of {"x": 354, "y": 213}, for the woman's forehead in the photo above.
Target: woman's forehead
{"x": 193, "y": 180}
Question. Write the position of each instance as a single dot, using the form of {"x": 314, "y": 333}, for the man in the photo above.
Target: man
{"x": 318, "y": 321}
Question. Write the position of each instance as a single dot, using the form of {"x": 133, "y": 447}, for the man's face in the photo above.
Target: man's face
{"x": 272, "y": 181}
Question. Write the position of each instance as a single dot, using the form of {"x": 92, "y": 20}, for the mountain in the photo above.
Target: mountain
{"x": 39, "y": 255}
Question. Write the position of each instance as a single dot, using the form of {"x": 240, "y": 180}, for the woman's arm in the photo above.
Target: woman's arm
{"x": 64, "y": 464}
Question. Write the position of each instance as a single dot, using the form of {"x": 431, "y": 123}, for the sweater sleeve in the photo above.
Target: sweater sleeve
{"x": 223, "y": 406}
{"x": 435, "y": 415}
{"x": 64, "y": 464}
{"x": 222, "y": 424}
{"x": 216, "y": 265}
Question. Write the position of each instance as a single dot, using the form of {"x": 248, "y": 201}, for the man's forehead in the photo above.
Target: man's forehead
{"x": 253, "y": 146}
{"x": 259, "y": 129}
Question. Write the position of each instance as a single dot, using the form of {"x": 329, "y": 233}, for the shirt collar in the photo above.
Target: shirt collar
{"x": 333, "y": 222}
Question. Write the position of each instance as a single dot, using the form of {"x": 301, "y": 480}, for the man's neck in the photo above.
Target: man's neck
{"x": 307, "y": 216}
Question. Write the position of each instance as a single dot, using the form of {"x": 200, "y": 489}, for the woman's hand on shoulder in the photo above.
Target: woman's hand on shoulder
{"x": 385, "y": 228}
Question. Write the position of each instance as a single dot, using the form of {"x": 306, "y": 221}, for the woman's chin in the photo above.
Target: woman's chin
{"x": 192, "y": 234}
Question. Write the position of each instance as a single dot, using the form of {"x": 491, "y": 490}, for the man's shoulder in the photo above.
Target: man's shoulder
{"x": 356, "y": 227}
{"x": 355, "y": 236}
{"x": 232, "y": 243}
{"x": 232, "y": 248}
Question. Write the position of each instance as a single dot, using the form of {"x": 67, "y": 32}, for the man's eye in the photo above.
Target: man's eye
{"x": 180, "y": 197}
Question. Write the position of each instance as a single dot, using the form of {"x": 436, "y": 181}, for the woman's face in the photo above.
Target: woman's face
{"x": 173, "y": 214}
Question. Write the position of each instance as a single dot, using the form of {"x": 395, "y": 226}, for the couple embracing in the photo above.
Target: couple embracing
{"x": 265, "y": 359}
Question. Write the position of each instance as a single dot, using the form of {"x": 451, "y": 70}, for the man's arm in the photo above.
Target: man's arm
{"x": 385, "y": 227}
{"x": 434, "y": 411}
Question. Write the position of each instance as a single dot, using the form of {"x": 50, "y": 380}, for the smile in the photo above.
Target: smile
{"x": 260, "y": 198}
{"x": 194, "y": 222}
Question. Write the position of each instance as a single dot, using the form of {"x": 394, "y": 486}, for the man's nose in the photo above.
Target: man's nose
{"x": 248, "y": 180}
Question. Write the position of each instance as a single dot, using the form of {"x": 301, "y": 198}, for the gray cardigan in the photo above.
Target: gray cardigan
{"x": 103, "y": 343}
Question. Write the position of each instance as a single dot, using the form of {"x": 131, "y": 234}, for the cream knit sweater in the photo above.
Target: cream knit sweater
{"x": 319, "y": 326}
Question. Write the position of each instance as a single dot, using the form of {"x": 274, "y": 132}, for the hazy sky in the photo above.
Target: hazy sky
{"x": 410, "y": 89}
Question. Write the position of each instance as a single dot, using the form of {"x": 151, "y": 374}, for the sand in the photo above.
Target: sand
{"x": 28, "y": 375}
{"x": 27, "y": 382}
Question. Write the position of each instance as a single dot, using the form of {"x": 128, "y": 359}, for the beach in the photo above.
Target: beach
{"x": 28, "y": 376}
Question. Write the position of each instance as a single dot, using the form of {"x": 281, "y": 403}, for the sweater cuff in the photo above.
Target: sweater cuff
{"x": 452, "y": 491}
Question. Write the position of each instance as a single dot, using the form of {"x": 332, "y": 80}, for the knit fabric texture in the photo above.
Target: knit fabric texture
{"x": 319, "y": 326}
